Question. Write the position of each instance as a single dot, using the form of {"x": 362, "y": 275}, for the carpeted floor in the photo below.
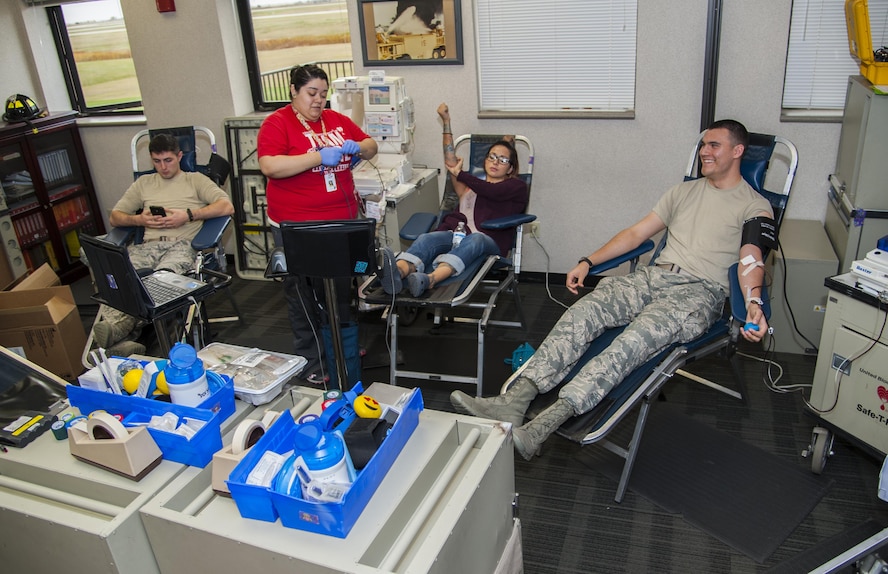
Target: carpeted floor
{"x": 570, "y": 521}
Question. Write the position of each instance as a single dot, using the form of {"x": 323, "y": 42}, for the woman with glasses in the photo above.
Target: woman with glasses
{"x": 434, "y": 257}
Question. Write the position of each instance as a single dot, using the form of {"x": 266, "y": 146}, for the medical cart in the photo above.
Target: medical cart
{"x": 850, "y": 388}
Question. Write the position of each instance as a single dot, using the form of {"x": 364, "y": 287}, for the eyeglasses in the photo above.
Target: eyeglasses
{"x": 500, "y": 158}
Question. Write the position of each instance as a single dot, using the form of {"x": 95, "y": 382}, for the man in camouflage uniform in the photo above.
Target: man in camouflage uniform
{"x": 187, "y": 198}
{"x": 674, "y": 301}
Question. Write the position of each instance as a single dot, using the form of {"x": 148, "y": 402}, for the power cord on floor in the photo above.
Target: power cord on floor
{"x": 795, "y": 326}
{"x": 548, "y": 261}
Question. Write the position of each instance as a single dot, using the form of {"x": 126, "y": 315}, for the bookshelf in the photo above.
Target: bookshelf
{"x": 46, "y": 195}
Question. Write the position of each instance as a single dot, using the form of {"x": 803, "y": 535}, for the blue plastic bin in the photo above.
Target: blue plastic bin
{"x": 198, "y": 451}
{"x": 333, "y": 519}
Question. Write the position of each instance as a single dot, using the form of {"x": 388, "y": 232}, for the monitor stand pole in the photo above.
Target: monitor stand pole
{"x": 335, "y": 333}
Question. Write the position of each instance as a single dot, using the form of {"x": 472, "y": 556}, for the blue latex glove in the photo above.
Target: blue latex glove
{"x": 331, "y": 156}
{"x": 350, "y": 147}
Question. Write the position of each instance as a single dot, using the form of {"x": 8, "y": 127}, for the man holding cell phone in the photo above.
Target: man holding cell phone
{"x": 170, "y": 204}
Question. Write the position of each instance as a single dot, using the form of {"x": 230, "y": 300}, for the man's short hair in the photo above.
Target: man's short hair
{"x": 738, "y": 132}
{"x": 162, "y": 143}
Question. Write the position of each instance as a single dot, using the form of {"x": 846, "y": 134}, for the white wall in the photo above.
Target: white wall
{"x": 591, "y": 177}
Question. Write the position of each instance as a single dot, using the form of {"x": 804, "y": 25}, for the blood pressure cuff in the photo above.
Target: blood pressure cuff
{"x": 761, "y": 232}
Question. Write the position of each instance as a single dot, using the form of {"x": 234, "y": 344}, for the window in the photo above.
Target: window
{"x": 549, "y": 58}
{"x": 281, "y": 34}
{"x": 94, "y": 51}
{"x": 818, "y": 60}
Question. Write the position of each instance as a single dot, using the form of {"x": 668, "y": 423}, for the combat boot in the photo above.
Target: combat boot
{"x": 509, "y": 406}
{"x": 110, "y": 330}
{"x": 531, "y": 436}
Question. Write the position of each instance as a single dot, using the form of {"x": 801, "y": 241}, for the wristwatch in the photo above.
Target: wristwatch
{"x": 190, "y": 215}
{"x": 587, "y": 261}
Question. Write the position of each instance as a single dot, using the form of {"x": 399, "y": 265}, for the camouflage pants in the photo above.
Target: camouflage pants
{"x": 177, "y": 256}
{"x": 658, "y": 308}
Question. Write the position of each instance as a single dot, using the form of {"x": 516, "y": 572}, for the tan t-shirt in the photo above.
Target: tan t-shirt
{"x": 187, "y": 190}
{"x": 705, "y": 226}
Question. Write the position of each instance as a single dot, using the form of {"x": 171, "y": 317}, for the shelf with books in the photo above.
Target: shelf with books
{"x": 49, "y": 192}
{"x": 30, "y": 229}
{"x": 67, "y": 189}
{"x": 72, "y": 213}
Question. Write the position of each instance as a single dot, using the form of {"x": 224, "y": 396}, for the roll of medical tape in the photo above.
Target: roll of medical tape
{"x": 103, "y": 426}
{"x": 74, "y": 420}
{"x": 308, "y": 418}
{"x": 59, "y": 430}
{"x": 247, "y": 433}
{"x": 269, "y": 418}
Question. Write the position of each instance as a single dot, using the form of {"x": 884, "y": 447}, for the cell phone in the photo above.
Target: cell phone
{"x": 157, "y": 210}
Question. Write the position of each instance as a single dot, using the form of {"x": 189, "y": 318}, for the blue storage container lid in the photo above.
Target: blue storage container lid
{"x": 184, "y": 366}
{"x": 319, "y": 449}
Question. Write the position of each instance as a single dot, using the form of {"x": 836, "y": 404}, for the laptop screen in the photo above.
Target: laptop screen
{"x": 338, "y": 248}
{"x": 117, "y": 282}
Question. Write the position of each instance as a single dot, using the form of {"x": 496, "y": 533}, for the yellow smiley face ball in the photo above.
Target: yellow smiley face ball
{"x": 161, "y": 384}
{"x": 131, "y": 380}
{"x": 367, "y": 407}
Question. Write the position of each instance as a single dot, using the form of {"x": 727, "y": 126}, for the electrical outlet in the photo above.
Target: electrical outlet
{"x": 534, "y": 228}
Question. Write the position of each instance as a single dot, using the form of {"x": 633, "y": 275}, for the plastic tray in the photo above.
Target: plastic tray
{"x": 333, "y": 519}
{"x": 258, "y": 375}
{"x": 198, "y": 451}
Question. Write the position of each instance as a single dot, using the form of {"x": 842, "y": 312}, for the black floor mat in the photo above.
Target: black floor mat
{"x": 742, "y": 495}
{"x": 824, "y": 551}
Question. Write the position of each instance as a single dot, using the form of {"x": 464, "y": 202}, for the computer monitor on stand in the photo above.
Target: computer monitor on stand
{"x": 329, "y": 250}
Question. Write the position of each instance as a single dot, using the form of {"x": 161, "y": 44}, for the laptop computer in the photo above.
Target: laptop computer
{"x": 119, "y": 285}
{"x": 334, "y": 248}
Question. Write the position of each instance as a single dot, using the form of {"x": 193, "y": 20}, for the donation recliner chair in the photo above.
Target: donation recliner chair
{"x": 210, "y": 262}
{"x": 642, "y": 386}
{"x": 472, "y": 296}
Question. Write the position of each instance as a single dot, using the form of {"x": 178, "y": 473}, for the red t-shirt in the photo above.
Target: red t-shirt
{"x": 304, "y": 197}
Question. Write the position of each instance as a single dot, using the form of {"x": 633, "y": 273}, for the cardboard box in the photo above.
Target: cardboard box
{"x": 38, "y": 314}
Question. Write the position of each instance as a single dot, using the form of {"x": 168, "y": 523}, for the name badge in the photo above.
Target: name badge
{"x": 330, "y": 180}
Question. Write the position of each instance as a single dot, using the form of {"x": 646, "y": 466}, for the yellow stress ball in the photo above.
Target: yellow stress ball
{"x": 161, "y": 383}
{"x": 131, "y": 380}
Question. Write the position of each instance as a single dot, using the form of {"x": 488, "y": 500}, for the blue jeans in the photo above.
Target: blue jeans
{"x": 436, "y": 247}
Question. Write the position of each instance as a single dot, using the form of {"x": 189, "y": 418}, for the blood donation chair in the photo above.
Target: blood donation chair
{"x": 475, "y": 291}
{"x": 210, "y": 263}
{"x": 642, "y": 386}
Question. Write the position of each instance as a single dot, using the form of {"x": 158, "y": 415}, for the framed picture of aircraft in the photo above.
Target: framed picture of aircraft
{"x": 410, "y": 32}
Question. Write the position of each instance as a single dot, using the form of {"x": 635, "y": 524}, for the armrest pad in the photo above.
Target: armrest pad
{"x": 210, "y": 233}
{"x": 418, "y": 224}
{"x": 217, "y": 279}
{"x": 737, "y": 299}
{"x": 121, "y": 235}
{"x": 508, "y": 221}
{"x": 648, "y": 245}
